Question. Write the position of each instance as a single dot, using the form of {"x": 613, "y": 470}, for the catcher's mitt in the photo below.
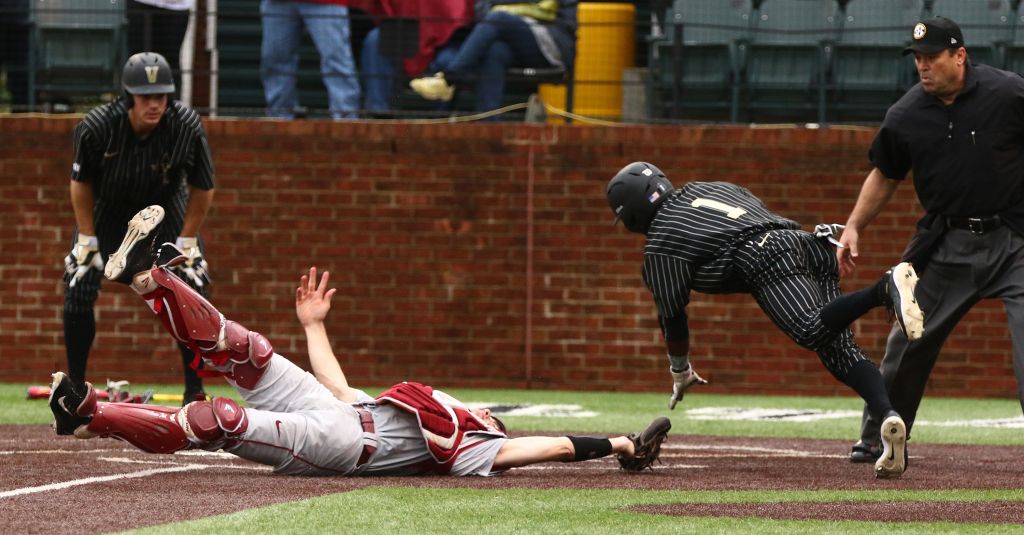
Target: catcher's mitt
{"x": 646, "y": 446}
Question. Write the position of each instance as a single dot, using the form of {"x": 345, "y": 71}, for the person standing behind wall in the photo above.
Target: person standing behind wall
{"x": 159, "y": 26}
{"x": 961, "y": 131}
{"x": 327, "y": 22}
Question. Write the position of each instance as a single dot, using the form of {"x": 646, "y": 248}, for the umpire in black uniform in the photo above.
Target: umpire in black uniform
{"x": 139, "y": 150}
{"x": 961, "y": 131}
{"x": 717, "y": 237}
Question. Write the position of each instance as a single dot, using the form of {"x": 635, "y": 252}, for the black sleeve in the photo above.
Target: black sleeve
{"x": 889, "y": 153}
{"x": 86, "y": 165}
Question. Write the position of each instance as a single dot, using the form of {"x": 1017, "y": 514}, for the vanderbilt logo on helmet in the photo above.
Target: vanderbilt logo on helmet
{"x": 151, "y": 72}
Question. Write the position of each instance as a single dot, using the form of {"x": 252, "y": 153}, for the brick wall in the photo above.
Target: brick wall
{"x": 464, "y": 255}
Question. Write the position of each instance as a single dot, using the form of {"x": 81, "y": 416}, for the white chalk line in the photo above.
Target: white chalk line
{"x": 744, "y": 451}
{"x": 101, "y": 479}
{"x": 169, "y": 466}
{"x": 126, "y": 460}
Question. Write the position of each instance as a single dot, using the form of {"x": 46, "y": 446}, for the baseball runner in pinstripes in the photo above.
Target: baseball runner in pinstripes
{"x": 717, "y": 237}
{"x": 298, "y": 423}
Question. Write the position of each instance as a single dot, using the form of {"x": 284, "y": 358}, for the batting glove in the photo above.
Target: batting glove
{"x": 681, "y": 381}
{"x": 84, "y": 256}
{"x": 194, "y": 267}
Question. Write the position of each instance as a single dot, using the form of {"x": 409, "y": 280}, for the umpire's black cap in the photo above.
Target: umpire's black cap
{"x": 147, "y": 73}
{"x": 935, "y": 35}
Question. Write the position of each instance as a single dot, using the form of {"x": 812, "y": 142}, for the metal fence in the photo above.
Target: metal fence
{"x": 822, "y": 61}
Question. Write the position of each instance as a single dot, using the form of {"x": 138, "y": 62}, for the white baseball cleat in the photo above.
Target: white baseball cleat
{"x": 893, "y": 461}
{"x": 899, "y": 288}
{"x": 136, "y": 251}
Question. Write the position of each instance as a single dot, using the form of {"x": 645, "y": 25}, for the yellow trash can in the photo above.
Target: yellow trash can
{"x": 605, "y": 45}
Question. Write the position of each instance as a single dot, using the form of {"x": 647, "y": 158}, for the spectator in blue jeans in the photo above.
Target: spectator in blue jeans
{"x": 328, "y": 24}
{"x": 438, "y": 38}
{"x": 540, "y": 34}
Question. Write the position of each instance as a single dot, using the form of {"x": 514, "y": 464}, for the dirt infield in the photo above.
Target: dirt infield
{"x": 45, "y": 476}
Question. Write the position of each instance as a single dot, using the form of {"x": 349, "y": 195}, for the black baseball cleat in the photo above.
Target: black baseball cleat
{"x": 136, "y": 251}
{"x": 900, "y": 282}
{"x": 72, "y": 405}
{"x": 168, "y": 255}
{"x": 863, "y": 452}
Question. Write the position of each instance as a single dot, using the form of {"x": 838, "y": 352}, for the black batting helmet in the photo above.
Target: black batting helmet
{"x": 635, "y": 193}
{"x": 147, "y": 73}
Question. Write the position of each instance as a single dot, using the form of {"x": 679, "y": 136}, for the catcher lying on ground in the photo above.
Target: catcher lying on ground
{"x": 297, "y": 423}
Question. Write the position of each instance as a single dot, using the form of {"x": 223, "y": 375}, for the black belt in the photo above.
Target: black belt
{"x": 366, "y": 420}
{"x": 977, "y": 225}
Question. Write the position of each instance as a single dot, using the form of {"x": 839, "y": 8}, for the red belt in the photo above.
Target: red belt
{"x": 366, "y": 420}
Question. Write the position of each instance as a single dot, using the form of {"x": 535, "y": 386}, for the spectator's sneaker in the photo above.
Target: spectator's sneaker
{"x": 893, "y": 461}
{"x": 900, "y": 282}
{"x": 136, "y": 251}
{"x": 72, "y": 405}
{"x": 433, "y": 87}
{"x": 863, "y": 452}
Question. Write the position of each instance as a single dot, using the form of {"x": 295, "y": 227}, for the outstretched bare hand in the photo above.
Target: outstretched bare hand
{"x": 312, "y": 300}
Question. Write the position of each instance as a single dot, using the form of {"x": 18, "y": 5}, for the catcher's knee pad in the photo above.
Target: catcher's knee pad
{"x": 228, "y": 347}
{"x": 212, "y": 425}
{"x": 151, "y": 428}
{"x": 247, "y": 352}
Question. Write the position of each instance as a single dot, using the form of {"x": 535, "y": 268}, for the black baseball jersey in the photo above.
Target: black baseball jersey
{"x": 717, "y": 237}
{"x": 691, "y": 242}
{"x": 129, "y": 173}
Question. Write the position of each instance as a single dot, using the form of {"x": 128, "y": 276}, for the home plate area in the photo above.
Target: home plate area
{"x": 46, "y": 476}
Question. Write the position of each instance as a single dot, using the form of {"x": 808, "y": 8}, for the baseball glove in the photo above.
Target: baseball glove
{"x": 646, "y": 446}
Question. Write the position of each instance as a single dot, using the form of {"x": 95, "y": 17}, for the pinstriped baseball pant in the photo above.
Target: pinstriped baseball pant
{"x": 792, "y": 275}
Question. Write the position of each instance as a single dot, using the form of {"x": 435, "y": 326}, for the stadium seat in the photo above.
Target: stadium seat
{"x": 76, "y": 49}
{"x": 869, "y": 72}
{"x": 788, "y": 59}
{"x": 697, "y": 65}
{"x": 1013, "y": 53}
{"x": 987, "y": 26}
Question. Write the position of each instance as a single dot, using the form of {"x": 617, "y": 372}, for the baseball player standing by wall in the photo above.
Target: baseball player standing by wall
{"x": 139, "y": 150}
{"x": 717, "y": 237}
{"x": 295, "y": 423}
{"x": 961, "y": 131}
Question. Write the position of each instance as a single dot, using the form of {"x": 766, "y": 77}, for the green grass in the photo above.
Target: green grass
{"x": 398, "y": 510}
{"x": 627, "y": 412}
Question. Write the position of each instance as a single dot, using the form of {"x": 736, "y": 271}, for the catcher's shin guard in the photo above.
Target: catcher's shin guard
{"x": 151, "y": 428}
{"x": 229, "y": 348}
